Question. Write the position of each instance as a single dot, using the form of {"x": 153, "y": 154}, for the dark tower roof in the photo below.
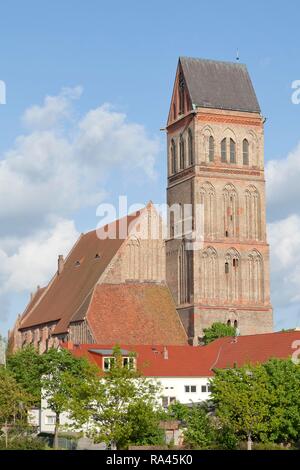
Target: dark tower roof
{"x": 223, "y": 85}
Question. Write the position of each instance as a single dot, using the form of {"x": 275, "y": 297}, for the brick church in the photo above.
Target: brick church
{"x": 144, "y": 288}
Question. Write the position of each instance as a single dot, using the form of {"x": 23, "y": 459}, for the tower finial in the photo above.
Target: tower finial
{"x": 237, "y": 55}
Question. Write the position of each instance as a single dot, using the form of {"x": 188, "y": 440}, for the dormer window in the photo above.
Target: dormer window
{"x": 108, "y": 362}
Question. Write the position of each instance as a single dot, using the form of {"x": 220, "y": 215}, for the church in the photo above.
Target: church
{"x": 148, "y": 288}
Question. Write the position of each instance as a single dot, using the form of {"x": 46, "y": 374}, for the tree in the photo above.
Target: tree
{"x": 217, "y": 330}
{"x": 124, "y": 407}
{"x": 198, "y": 428}
{"x": 284, "y": 387}
{"x": 63, "y": 373}
{"x": 14, "y": 402}
{"x": 242, "y": 399}
{"x": 27, "y": 366}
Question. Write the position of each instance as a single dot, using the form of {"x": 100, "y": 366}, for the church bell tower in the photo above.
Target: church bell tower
{"x": 215, "y": 147}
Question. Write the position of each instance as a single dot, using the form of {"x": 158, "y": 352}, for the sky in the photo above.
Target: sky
{"x": 88, "y": 85}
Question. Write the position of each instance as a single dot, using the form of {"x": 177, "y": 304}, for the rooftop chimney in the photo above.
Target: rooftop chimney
{"x": 165, "y": 353}
{"x": 60, "y": 264}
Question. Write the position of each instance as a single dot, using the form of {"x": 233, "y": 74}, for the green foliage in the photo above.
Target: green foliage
{"x": 27, "y": 366}
{"x": 217, "y": 330}
{"x": 123, "y": 410}
{"x": 261, "y": 402}
{"x": 23, "y": 443}
{"x": 198, "y": 431}
{"x": 64, "y": 373}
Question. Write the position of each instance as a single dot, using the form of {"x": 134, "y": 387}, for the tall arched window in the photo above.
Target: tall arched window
{"x": 230, "y": 211}
{"x": 245, "y": 152}
{"x": 173, "y": 156}
{"x": 255, "y": 277}
{"x": 181, "y": 152}
{"x": 232, "y": 151}
{"x": 185, "y": 274}
{"x": 252, "y": 213}
{"x": 223, "y": 150}
{"x": 211, "y": 149}
{"x": 181, "y": 94}
{"x": 232, "y": 276}
{"x": 191, "y": 149}
{"x": 209, "y": 274}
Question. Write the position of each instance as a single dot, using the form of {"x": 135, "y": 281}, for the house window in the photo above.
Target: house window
{"x": 190, "y": 388}
{"x": 107, "y": 363}
{"x": 209, "y": 388}
{"x": 166, "y": 401}
{"x": 223, "y": 151}
{"x": 129, "y": 362}
{"x": 232, "y": 151}
{"x": 50, "y": 420}
{"x": 211, "y": 149}
{"x": 203, "y": 388}
{"x": 245, "y": 152}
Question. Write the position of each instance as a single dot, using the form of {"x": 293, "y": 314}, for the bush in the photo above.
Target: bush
{"x": 23, "y": 443}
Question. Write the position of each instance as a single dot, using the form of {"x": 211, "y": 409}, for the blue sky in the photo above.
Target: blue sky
{"x": 125, "y": 54}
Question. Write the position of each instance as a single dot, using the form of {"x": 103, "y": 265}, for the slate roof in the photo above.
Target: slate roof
{"x": 200, "y": 361}
{"x": 135, "y": 313}
{"x": 222, "y": 85}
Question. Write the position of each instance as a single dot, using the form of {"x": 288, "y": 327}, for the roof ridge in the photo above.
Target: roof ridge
{"x": 215, "y": 61}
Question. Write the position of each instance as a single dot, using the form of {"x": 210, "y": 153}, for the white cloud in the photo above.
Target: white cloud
{"x": 283, "y": 188}
{"x": 62, "y": 163}
{"x": 35, "y": 258}
{"x": 56, "y": 170}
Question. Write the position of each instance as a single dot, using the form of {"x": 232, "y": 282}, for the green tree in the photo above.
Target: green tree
{"x": 199, "y": 430}
{"x": 284, "y": 387}
{"x": 64, "y": 373}
{"x": 217, "y": 330}
{"x": 14, "y": 403}
{"x": 27, "y": 366}
{"x": 124, "y": 407}
{"x": 242, "y": 399}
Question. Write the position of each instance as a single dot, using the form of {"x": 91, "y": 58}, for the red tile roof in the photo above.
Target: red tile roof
{"x": 199, "y": 361}
{"x": 68, "y": 293}
{"x": 135, "y": 313}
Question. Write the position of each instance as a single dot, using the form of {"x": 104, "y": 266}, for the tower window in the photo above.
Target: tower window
{"x": 235, "y": 262}
{"x": 226, "y": 234}
{"x": 181, "y": 94}
{"x": 235, "y": 324}
{"x": 226, "y": 268}
{"x": 173, "y": 156}
{"x": 181, "y": 152}
{"x": 223, "y": 151}
{"x": 232, "y": 151}
{"x": 245, "y": 152}
{"x": 211, "y": 149}
{"x": 191, "y": 150}
{"x": 228, "y": 322}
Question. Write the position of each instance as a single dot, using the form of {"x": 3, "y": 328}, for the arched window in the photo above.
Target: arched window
{"x": 233, "y": 276}
{"x": 211, "y": 149}
{"x": 209, "y": 274}
{"x": 255, "y": 277}
{"x": 232, "y": 151}
{"x": 245, "y": 152}
{"x": 191, "y": 149}
{"x": 181, "y": 153}
{"x": 223, "y": 150}
{"x": 181, "y": 94}
{"x": 228, "y": 322}
{"x": 185, "y": 274}
{"x": 173, "y": 156}
{"x": 235, "y": 324}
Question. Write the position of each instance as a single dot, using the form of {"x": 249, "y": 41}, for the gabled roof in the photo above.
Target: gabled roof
{"x": 68, "y": 294}
{"x": 135, "y": 313}
{"x": 221, "y": 85}
{"x": 200, "y": 361}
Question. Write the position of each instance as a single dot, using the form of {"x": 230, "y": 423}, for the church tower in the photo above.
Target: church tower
{"x": 215, "y": 140}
